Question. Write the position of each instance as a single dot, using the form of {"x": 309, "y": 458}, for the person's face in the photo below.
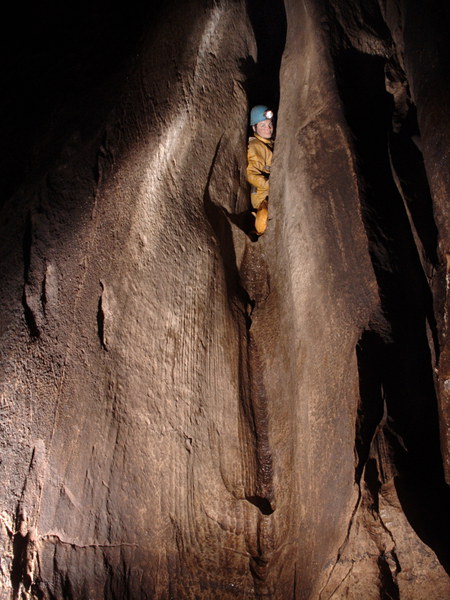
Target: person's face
{"x": 264, "y": 129}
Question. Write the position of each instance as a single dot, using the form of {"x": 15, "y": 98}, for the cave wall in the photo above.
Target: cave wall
{"x": 188, "y": 413}
{"x": 363, "y": 95}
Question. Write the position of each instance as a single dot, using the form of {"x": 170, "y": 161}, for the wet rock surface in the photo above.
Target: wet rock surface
{"x": 187, "y": 412}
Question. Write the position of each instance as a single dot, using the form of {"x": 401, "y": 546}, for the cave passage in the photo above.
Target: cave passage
{"x": 180, "y": 445}
{"x": 268, "y": 19}
{"x": 395, "y": 364}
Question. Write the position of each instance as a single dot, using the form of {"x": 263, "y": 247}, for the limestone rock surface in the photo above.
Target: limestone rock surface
{"x": 185, "y": 412}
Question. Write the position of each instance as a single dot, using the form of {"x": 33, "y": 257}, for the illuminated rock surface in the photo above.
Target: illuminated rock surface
{"x": 187, "y": 413}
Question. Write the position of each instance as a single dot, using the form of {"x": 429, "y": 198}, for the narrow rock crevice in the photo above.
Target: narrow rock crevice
{"x": 388, "y": 584}
{"x": 263, "y": 498}
{"x": 24, "y": 559}
{"x": 399, "y": 369}
{"x": 324, "y": 591}
{"x": 367, "y": 517}
{"x": 388, "y": 564}
{"x": 253, "y": 396}
{"x": 44, "y": 295}
{"x": 370, "y": 409}
{"x": 269, "y": 23}
{"x": 19, "y": 571}
{"x": 101, "y": 321}
{"x": 386, "y": 450}
{"x": 407, "y": 163}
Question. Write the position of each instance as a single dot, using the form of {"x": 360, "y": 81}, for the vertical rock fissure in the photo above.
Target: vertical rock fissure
{"x": 387, "y": 582}
{"x": 263, "y": 495}
{"x": 323, "y": 591}
{"x": 370, "y": 409}
{"x": 374, "y": 445}
{"x": 25, "y": 540}
{"x": 253, "y": 402}
{"x": 404, "y": 357}
{"x": 409, "y": 175}
{"x": 101, "y": 321}
{"x": 268, "y": 20}
{"x": 269, "y": 24}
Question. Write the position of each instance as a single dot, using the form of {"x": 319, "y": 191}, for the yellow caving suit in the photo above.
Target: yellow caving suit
{"x": 259, "y": 161}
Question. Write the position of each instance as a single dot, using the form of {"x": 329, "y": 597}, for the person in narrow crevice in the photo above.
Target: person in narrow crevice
{"x": 259, "y": 161}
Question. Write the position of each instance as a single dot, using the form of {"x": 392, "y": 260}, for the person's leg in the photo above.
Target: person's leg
{"x": 262, "y": 213}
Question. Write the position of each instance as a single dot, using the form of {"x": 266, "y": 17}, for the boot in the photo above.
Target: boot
{"x": 261, "y": 217}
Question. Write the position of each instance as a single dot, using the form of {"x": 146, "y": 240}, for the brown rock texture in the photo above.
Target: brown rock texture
{"x": 187, "y": 413}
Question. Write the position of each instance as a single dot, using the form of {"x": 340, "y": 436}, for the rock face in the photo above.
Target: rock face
{"x": 187, "y": 413}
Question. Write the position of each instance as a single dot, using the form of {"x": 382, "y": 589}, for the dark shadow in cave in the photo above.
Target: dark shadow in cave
{"x": 388, "y": 583}
{"x": 63, "y": 69}
{"x": 370, "y": 409}
{"x": 407, "y": 161}
{"x": 422, "y": 492}
{"x": 268, "y": 19}
{"x": 396, "y": 369}
{"x": 19, "y": 564}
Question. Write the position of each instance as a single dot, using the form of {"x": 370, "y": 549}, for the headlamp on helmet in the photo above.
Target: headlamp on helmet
{"x": 260, "y": 113}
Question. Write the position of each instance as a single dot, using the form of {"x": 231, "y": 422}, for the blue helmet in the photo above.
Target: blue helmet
{"x": 260, "y": 113}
